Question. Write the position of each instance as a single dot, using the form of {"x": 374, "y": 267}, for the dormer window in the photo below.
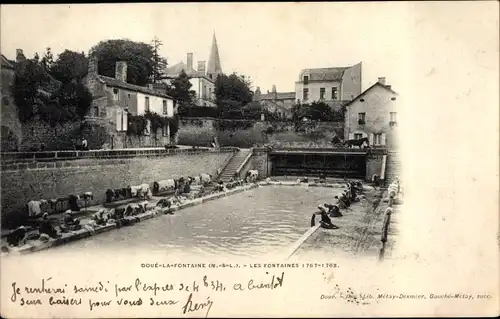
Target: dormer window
{"x": 306, "y": 79}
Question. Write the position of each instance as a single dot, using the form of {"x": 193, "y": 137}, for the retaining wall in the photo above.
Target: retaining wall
{"x": 202, "y": 131}
{"x": 61, "y": 178}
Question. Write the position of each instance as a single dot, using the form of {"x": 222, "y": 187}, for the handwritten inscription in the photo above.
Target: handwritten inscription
{"x": 138, "y": 293}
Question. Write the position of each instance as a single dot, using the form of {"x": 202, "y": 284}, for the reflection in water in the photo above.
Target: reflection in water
{"x": 260, "y": 221}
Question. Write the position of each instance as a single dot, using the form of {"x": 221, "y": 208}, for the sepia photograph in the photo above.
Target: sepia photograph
{"x": 139, "y": 139}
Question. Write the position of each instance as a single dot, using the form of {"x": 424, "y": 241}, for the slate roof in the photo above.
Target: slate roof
{"x": 132, "y": 87}
{"x": 214, "y": 65}
{"x": 324, "y": 74}
{"x": 6, "y": 63}
{"x": 176, "y": 69}
{"x": 369, "y": 89}
{"x": 280, "y": 96}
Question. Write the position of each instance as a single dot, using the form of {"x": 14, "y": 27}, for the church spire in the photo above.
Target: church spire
{"x": 214, "y": 67}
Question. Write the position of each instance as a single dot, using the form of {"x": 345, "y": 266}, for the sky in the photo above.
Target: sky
{"x": 270, "y": 42}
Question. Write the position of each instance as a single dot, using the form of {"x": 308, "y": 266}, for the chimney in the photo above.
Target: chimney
{"x": 93, "y": 63}
{"x": 256, "y": 96}
{"x": 274, "y": 88}
{"x": 201, "y": 67}
{"x": 388, "y": 86}
{"x": 121, "y": 71}
{"x": 20, "y": 55}
{"x": 381, "y": 80}
{"x": 190, "y": 61}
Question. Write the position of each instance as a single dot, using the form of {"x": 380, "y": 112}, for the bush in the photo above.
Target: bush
{"x": 233, "y": 125}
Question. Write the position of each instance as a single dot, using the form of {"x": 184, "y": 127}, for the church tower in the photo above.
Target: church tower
{"x": 214, "y": 67}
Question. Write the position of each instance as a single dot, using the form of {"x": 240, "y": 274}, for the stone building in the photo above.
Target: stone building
{"x": 114, "y": 98}
{"x": 202, "y": 78}
{"x": 11, "y": 134}
{"x": 373, "y": 114}
{"x": 280, "y": 103}
{"x": 330, "y": 85}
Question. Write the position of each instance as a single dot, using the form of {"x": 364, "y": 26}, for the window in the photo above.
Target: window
{"x": 361, "y": 100}
{"x": 165, "y": 109}
{"x": 305, "y": 94}
{"x": 377, "y": 139}
{"x": 210, "y": 93}
{"x": 322, "y": 93}
{"x": 96, "y": 111}
{"x": 393, "y": 119}
{"x": 306, "y": 79}
{"x": 393, "y": 116}
{"x": 361, "y": 118}
{"x": 334, "y": 93}
{"x": 204, "y": 94}
{"x": 358, "y": 136}
{"x": 146, "y": 105}
{"x": 129, "y": 96}
{"x": 5, "y": 100}
{"x": 116, "y": 95}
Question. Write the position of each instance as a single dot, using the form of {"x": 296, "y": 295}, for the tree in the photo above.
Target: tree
{"x": 138, "y": 55}
{"x": 36, "y": 58}
{"x": 232, "y": 93}
{"x": 70, "y": 66}
{"x": 159, "y": 62}
{"x": 317, "y": 111}
{"x": 30, "y": 77}
{"x": 180, "y": 90}
{"x": 48, "y": 60}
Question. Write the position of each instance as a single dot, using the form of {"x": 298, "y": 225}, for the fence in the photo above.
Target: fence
{"x": 14, "y": 158}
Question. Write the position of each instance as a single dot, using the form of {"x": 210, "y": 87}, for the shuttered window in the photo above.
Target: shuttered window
{"x": 125, "y": 121}
{"x": 118, "y": 120}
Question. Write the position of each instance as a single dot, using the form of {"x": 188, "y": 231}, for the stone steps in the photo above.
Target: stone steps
{"x": 233, "y": 165}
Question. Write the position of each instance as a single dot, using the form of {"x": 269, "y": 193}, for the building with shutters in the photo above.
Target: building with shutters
{"x": 332, "y": 86}
{"x": 280, "y": 103}
{"x": 115, "y": 98}
{"x": 203, "y": 78}
{"x": 373, "y": 114}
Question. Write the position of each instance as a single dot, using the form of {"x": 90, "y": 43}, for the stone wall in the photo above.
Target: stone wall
{"x": 373, "y": 165}
{"x": 201, "y": 131}
{"x": 11, "y": 126}
{"x": 96, "y": 175}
